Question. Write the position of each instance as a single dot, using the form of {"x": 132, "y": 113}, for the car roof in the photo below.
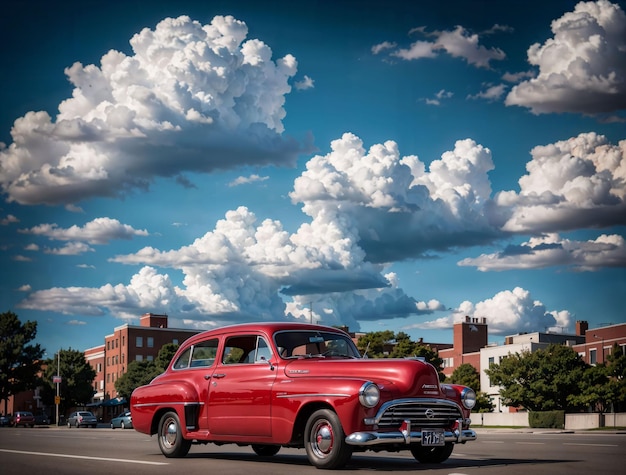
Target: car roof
{"x": 268, "y": 327}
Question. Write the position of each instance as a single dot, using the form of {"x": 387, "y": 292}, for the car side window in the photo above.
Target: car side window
{"x": 183, "y": 360}
{"x": 204, "y": 353}
{"x": 246, "y": 349}
{"x": 199, "y": 355}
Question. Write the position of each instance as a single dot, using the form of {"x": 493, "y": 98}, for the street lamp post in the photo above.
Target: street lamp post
{"x": 57, "y": 400}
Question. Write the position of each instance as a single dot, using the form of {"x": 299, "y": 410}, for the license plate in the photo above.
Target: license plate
{"x": 431, "y": 438}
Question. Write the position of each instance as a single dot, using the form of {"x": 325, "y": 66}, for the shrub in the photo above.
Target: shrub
{"x": 547, "y": 419}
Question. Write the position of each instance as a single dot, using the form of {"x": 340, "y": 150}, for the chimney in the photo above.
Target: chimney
{"x": 581, "y": 327}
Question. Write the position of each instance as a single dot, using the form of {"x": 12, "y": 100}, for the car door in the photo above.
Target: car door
{"x": 241, "y": 388}
{"x": 196, "y": 364}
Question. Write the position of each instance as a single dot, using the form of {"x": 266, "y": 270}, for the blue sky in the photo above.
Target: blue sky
{"x": 383, "y": 165}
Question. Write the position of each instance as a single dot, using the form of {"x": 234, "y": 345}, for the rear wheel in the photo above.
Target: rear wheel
{"x": 170, "y": 436}
{"x": 265, "y": 450}
{"x": 432, "y": 454}
{"x": 325, "y": 442}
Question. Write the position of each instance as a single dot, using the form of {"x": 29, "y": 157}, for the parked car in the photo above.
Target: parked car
{"x": 124, "y": 421}
{"x": 273, "y": 385}
{"x": 5, "y": 421}
{"x": 23, "y": 418}
{"x": 82, "y": 419}
{"x": 41, "y": 419}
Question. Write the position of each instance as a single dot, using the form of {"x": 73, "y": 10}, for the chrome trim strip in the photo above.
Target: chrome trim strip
{"x": 284, "y": 396}
{"x": 367, "y": 438}
{"x": 148, "y": 404}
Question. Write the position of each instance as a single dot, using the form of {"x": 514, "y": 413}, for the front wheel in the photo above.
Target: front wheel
{"x": 325, "y": 441}
{"x": 170, "y": 436}
{"x": 432, "y": 454}
{"x": 122, "y": 425}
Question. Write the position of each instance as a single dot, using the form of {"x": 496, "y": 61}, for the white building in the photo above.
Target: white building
{"x": 524, "y": 342}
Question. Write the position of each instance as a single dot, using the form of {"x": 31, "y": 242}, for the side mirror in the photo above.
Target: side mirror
{"x": 263, "y": 358}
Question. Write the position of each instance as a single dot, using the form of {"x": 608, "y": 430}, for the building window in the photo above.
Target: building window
{"x": 175, "y": 341}
{"x": 123, "y": 339}
{"x": 139, "y": 342}
{"x": 150, "y": 342}
{"x": 117, "y": 343}
{"x": 102, "y": 384}
{"x": 108, "y": 345}
{"x": 150, "y": 358}
{"x": 593, "y": 357}
{"x": 139, "y": 358}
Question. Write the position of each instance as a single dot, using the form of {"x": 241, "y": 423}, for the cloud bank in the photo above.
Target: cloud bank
{"x": 367, "y": 209}
{"x": 191, "y": 98}
{"x": 582, "y": 68}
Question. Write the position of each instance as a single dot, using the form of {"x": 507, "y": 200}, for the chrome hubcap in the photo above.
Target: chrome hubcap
{"x": 169, "y": 433}
{"x": 323, "y": 438}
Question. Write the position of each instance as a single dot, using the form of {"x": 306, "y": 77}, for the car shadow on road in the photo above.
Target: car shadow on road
{"x": 379, "y": 463}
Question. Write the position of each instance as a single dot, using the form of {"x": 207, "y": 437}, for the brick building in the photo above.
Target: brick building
{"x": 599, "y": 342}
{"x": 130, "y": 343}
{"x": 469, "y": 336}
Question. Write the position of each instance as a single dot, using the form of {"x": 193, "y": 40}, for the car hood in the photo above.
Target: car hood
{"x": 411, "y": 378}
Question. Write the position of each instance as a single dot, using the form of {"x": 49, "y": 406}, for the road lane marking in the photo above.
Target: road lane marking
{"x": 83, "y": 457}
{"x": 592, "y": 445}
{"x": 530, "y": 443}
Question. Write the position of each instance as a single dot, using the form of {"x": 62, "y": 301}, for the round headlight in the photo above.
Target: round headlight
{"x": 468, "y": 396}
{"x": 369, "y": 394}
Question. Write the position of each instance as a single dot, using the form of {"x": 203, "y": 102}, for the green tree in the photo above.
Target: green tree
{"x": 139, "y": 373}
{"x": 166, "y": 353}
{"x": 467, "y": 375}
{"x": 376, "y": 344}
{"x": 603, "y": 386}
{"x": 77, "y": 375}
{"x": 617, "y": 372}
{"x": 543, "y": 380}
{"x": 596, "y": 389}
{"x": 20, "y": 362}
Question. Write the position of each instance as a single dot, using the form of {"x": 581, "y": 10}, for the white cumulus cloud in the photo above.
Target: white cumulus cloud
{"x": 552, "y": 250}
{"x": 507, "y": 313}
{"x": 571, "y": 184}
{"x": 582, "y": 68}
{"x": 191, "y": 97}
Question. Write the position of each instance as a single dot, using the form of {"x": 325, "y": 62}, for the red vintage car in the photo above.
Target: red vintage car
{"x": 273, "y": 385}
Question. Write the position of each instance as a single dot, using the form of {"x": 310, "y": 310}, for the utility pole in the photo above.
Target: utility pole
{"x": 57, "y": 380}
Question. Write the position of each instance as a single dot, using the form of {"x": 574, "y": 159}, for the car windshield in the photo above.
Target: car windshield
{"x": 309, "y": 344}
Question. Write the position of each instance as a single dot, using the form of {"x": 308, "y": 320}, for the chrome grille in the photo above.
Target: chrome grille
{"x": 442, "y": 414}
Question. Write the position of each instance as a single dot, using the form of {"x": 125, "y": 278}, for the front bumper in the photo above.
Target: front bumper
{"x": 406, "y": 436}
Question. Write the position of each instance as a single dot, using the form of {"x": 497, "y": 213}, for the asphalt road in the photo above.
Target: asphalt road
{"x": 58, "y": 450}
